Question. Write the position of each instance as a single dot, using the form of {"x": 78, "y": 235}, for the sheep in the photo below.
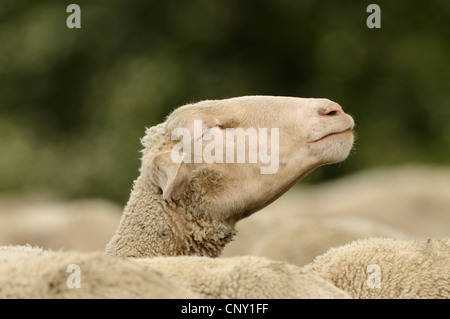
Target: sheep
{"x": 389, "y": 195}
{"x": 191, "y": 208}
{"x": 388, "y": 268}
{"x": 31, "y": 272}
{"x": 185, "y": 208}
{"x": 369, "y": 268}
{"x": 243, "y": 277}
{"x": 85, "y": 225}
{"x": 418, "y": 194}
{"x": 300, "y": 240}
{"x": 381, "y": 200}
{"x": 370, "y": 203}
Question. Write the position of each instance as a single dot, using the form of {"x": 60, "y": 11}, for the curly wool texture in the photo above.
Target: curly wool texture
{"x": 27, "y": 272}
{"x": 244, "y": 277}
{"x": 407, "y": 269}
{"x": 152, "y": 226}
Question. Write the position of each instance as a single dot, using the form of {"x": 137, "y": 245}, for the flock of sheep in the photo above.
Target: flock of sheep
{"x": 377, "y": 234}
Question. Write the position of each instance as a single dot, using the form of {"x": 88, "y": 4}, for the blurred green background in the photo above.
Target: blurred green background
{"x": 74, "y": 102}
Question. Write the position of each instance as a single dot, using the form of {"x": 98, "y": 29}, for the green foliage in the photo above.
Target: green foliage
{"x": 74, "y": 102}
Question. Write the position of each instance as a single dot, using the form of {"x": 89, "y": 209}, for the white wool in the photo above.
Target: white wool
{"x": 31, "y": 272}
{"x": 388, "y": 268}
{"x": 244, "y": 277}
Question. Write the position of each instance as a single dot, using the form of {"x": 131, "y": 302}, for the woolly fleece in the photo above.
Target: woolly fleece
{"x": 27, "y": 272}
{"x": 408, "y": 269}
{"x": 244, "y": 277}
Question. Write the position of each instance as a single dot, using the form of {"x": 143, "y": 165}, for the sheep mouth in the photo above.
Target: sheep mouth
{"x": 349, "y": 130}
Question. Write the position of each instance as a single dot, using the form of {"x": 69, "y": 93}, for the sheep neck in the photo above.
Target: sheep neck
{"x": 151, "y": 226}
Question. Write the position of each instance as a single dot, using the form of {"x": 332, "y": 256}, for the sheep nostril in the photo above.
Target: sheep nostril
{"x": 330, "y": 111}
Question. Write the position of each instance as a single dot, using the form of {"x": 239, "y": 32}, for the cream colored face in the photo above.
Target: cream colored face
{"x": 317, "y": 128}
{"x": 300, "y": 135}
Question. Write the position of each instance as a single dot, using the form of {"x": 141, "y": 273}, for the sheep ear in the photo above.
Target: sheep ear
{"x": 173, "y": 178}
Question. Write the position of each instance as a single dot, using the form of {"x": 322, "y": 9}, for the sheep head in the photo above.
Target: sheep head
{"x": 216, "y": 162}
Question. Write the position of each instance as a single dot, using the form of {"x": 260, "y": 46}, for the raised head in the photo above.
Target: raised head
{"x": 215, "y": 162}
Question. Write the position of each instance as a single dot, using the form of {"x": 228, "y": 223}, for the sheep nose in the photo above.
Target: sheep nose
{"x": 330, "y": 110}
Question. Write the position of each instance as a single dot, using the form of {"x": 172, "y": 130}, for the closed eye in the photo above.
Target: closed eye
{"x": 210, "y": 128}
{"x": 220, "y": 126}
